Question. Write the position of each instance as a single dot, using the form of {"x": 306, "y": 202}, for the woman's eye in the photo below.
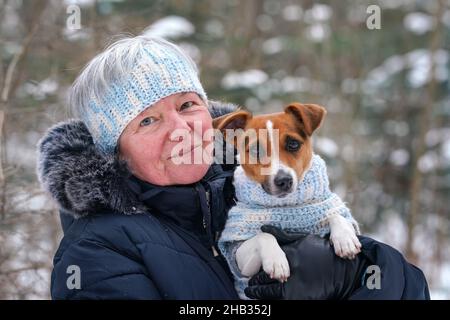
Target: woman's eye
{"x": 186, "y": 105}
{"x": 147, "y": 121}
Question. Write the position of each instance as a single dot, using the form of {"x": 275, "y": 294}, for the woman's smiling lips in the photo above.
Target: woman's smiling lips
{"x": 183, "y": 153}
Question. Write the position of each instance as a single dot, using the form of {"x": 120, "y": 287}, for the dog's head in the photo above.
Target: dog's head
{"x": 274, "y": 150}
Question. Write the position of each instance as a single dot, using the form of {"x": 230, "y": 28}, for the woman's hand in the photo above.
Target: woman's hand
{"x": 316, "y": 272}
{"x": 261, "y": 285}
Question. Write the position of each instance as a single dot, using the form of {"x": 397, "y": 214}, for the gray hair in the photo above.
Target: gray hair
{"x": 112, "y": 65}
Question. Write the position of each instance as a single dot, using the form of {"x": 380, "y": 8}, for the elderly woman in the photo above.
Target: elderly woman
{"x": 136, "y": 215}
{"x": 143, "y": 204}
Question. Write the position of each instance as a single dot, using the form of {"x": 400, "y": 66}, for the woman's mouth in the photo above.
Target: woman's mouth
{"x": 182, "y": 153}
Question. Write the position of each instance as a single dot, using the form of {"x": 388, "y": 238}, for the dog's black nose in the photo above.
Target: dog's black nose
{"x": 283, "y": 181}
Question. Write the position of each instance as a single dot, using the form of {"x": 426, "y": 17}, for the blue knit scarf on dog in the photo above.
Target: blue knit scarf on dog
{"x": 304, "y": 210}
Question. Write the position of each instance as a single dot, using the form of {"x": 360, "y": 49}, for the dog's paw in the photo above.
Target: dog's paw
{"x": 275, "y": 264}
{"x": 346, "y": 243}
{"x": 343, "y": 238}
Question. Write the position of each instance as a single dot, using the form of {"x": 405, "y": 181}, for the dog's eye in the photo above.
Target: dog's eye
{"x": 253, "y": 150}
{"x": 292, "y": 145}
{"x": 256, "y": 151}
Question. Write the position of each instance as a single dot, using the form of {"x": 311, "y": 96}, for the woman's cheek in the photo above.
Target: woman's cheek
{"x": 207, "y": 129}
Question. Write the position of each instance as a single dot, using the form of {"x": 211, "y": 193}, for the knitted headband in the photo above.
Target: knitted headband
{"x": 159, "y": 70}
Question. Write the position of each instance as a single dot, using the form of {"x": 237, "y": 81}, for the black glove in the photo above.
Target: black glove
{"x": 282, "y": 236}
{"x": 316, "y": 272}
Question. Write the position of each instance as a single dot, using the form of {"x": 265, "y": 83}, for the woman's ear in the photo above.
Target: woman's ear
{"x": 309, "y": 116}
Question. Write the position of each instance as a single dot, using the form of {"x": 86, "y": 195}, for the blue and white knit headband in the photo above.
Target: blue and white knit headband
{"x": 159, "y": 72}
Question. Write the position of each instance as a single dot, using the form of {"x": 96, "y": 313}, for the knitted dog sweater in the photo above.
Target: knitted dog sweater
{"x": 304, "y": 210}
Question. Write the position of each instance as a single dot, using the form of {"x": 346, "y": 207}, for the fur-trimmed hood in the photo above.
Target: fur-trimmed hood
{"x": 84, "y": 181}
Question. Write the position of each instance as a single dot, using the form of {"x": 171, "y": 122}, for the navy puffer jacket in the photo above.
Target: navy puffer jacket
{"x": 127, "y": 239}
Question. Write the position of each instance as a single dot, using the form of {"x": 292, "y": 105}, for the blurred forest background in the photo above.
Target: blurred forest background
{"x": 386, "y": 137}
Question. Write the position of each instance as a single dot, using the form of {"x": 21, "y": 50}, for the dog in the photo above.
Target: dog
{"x": 284, "y": 162}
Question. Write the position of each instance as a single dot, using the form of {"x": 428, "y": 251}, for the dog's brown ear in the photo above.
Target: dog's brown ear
{"x": 309, "y": 116}
{"x": 235, "y": 120}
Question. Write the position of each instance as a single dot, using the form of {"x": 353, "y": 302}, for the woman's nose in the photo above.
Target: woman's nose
{"x": 179, "y": 124}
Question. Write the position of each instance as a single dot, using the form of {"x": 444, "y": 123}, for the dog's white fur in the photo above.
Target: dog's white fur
{"x": 263, "y": 249}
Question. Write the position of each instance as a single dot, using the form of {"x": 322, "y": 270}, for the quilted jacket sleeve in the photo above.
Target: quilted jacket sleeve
{"x": 103, "y": 274}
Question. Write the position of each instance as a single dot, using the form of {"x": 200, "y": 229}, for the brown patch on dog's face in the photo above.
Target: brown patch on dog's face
{"x": 301, "y": 122}
{"x": 295, "y": 144}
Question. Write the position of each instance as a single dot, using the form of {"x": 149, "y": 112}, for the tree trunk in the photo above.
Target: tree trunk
{"x": 425, "y": 125}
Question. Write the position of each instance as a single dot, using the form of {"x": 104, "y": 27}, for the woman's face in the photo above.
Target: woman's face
{"x": 166, "y": 144}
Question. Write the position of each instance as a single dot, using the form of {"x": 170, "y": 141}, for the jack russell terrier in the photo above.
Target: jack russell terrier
{"x": 280, "y": 182}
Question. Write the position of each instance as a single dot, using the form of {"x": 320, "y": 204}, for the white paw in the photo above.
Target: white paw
{"x": 275, "y": 264}
{"x": 345, "y": 242}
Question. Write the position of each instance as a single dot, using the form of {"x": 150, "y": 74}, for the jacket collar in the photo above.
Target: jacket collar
{"x": 188, "y": 206}
{"x": 82, "y": 180}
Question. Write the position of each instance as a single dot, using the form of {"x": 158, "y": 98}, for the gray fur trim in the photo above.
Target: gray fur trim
{"x": 219, "y": 108}
{"x": 81, "y": 179}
